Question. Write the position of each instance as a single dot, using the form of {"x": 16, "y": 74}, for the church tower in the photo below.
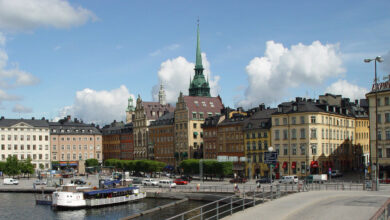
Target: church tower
{"x": 130, "y": 110}
{"x": 199, "y": 86}
{"x": 161, "y": 95}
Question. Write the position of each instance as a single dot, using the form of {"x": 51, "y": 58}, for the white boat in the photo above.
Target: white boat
{"x": 72, "y": 197}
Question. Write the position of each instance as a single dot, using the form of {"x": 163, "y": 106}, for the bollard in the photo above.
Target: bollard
{"x": 217, "y": 215}
{"x": 271, "y": 193}
{"x": 254, "y": 198}
{"x": 262, "y": 194}
{"x": 231, "y": 205}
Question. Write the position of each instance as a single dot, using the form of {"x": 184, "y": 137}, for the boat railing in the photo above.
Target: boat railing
{"x": 113, "y": 200}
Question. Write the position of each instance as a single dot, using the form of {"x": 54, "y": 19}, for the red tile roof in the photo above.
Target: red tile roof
{"x": 156, "y": 107}
{"x": 203, "y": 105}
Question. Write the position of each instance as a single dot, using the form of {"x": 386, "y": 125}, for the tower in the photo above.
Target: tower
{"x": 199, "y": 86}
{"x": 130, "y": 110}
{"x": 161, "y": 95}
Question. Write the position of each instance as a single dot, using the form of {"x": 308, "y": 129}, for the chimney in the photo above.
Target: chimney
{"x": 2, "y": 118}
{"x": 356, "y": 102}
{"x": 32, "y": 118}
{"x": 298, "y": 99}
{"x": 262, "y": 106}
{"x": 68, "y": 117}
{"x": 43, "y": 118}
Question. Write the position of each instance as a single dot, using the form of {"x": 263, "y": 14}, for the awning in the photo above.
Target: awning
{"x": 314, "y": 164}
{"x": 284, "y": 165}
{"x": 195, "y": 133}
{"x": 293, "y": 165}
{"x": 277, "y": 165}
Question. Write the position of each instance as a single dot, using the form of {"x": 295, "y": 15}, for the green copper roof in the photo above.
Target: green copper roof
{"x": 198, "y": 64}
{"x": 199, "y": 86}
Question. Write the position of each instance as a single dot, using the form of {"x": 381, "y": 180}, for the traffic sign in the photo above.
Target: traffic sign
{"x": 270, "y": 157}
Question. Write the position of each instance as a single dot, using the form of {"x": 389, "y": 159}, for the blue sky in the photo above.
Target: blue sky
{"x": 103, "y": 45}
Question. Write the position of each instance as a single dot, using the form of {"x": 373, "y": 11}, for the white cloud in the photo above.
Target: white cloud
{"x": 175, "y": 75}
{"x": 346, "y": 89}
{"x": 58, "y": 47}
{"x": 11, "y": 77}
{"x": 271, "y": 76}
{"x": 30, "y": 14}
{"x": 18, "y": 108}
{"x": 100, "y": 107}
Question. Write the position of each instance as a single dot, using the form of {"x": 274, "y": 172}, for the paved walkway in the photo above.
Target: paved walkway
{"x": 318, "y": 205}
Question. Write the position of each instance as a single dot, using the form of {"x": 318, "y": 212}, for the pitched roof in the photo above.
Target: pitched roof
{"x": 167, "y": 119}
{"x": 211, "y": 121}
{"x": 71, "y": 127}
{"x": 260, "y": 119}
{"x": 156, "y": 107}
{"x": 35, "y": 123}
{"x": 203, "y": 104}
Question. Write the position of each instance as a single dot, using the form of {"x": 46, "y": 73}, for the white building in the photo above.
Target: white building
{"x": 25, "y": 138}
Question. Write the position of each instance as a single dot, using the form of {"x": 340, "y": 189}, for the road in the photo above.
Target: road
{"x": 319, "y": 205}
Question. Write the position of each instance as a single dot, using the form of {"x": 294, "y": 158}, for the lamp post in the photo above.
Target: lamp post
{"x": 376, "y": 59}
{"x": 270, "y": 149}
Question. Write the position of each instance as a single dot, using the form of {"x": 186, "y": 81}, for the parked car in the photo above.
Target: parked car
{"x": 263, "y": 180}
{"x": 10, "y": 181}
{"x": 186, "y": 178}
{"x": 78, "y": 182}
{"x": 180, "y": 182}
{"x": 166, "y": 183}
{"x": 137, "y": 180}
{"x": 289, "y": 179}
{"x": 336, "y": 173}
{"x": 238, "y": 180}
{"x": 386, "y": 181}
{"x": 40, "y": 182}
{"x": 149, "y": 182}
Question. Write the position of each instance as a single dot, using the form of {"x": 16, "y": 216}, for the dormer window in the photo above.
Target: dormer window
{"x": 203, "y": 103}
{"x": 211, "y": 104}
{"x": 279, "y": 109}
{"x": 295, "y": 108}
{"x": 196, "y": 103}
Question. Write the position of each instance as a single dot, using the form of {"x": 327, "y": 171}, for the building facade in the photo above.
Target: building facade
{"x": 210, "y": 140}
{"x": 315, "y": 136}
{"x": 26, "y": 138}
{"x": 118, "y": 141}
{"x": 382, "y": 153}
{"x": 257, "y": 139}
{"x": 72, "y": 142}
{"x": 162, "y": 138}
{"x": 145, "y": 113}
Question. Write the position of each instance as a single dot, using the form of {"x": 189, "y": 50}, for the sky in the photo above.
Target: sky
{"x": 85, "y": 58}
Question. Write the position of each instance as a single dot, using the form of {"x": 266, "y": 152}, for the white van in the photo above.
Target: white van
{"x": 10, "y": 181}
{"x": 289, "y": 179}
{"x": 166, "y": 183}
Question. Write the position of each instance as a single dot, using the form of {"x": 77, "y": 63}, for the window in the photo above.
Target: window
{"x": 303, "y": 149}
{"x": 387, "y": 101}
{"x": 276, "y": 134}
{"x": 313, "y": 119}
{"x": 259, "y": 145}
{"x": 293, "y": 120}
{"x": 276, "y": 121}
{"x": 313, "y": 133}
{"x": 379, "y": 101}
{"x": 277, "y": 148}
{"x": 314, "y": 149}
{"x": 265, "y": 145}
{"x": 253, "y": 145}
{"x": 248, "y": 146}
{"x": 285, "y": 149}
{"x": 294, "y": 133}
{"x": 303, "y": 167}
{"x": 379, "y": 119}
{"x": 194, "y": 115}
{"x": 285, "y": 134}
{"x": 303, "y": 133}
{"x": 323, "y": 134}
{"x": 196, "y": 103}
{"x": 388, "y": 152}
{"x": 380, "y": 152}
{"x": 201, "y": 115}
{"x": 194, "y": 125}
{"x": 379, "y": 135}
{"x": 284, "y": 121}
{"x": 387, "y": 117}
{"x": 387, "y": 134}
{"x": 302, "y": 118}
{"x": 294, "y": 149}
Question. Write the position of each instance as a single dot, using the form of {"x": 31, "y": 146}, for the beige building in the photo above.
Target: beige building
{"x": 73, "y": 142}
{"x": 312, "y": 136}
{"x": 383, "y": 155}
{"x": 25, "y": 138}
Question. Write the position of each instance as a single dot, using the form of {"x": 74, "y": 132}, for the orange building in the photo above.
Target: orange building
{"x": 210, "y": 141}
{"x": 118, "y": 141}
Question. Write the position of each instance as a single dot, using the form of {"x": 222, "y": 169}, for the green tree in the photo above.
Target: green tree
{"x": 12, "y": 167}
{"x": 2, "y": 166}
{"x": 91, "y": 162}
{"x": 26, "y": 167}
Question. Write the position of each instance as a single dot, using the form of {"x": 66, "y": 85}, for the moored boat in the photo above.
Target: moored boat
{"x": 73, "y": 198}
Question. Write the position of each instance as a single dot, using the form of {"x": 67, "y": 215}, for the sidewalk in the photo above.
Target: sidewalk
{"x": 318, "y": 205}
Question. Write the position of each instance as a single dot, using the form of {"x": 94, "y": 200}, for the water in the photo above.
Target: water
{"x": 22, "y": 206}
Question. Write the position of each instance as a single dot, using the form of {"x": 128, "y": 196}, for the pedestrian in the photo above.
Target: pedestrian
{"x": 87, "y": 175}
{"x": 197, "y": 187}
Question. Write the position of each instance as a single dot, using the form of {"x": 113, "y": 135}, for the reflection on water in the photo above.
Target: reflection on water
{"x": 22, "y": 206}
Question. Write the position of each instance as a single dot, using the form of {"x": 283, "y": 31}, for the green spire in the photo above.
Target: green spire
{"x": 198, "y": 64}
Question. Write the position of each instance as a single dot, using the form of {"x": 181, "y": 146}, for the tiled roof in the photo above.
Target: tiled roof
{"x": 70, "y": 127}
{"x": 236, "y": 119}
{"x": 156, "y": 107}
{"x": 260, "y": 119}
{"x": 211, "y": 121}
{"x": 35, "y": 123}
{"x": 203, "y": 104}
{"x": 167, "y": 119}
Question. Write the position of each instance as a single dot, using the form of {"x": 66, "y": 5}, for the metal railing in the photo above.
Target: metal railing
{"x": 238, "y": 202}
{"x": 383, "y": 212}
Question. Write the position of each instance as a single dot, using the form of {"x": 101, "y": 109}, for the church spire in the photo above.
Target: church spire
{"x": 198, "y": 65}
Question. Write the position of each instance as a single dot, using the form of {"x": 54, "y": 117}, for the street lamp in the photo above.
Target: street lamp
{"x": 270, "y": 149}
{"x": 380, "y": 60}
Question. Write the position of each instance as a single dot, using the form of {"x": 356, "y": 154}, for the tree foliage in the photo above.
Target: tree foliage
{"x": 12, "y": 166}
{"x": 211, "y": 168}
{"x": 26, "y": 167}
{"x": 91, "y": 162}
{"x": 148, "y": 166}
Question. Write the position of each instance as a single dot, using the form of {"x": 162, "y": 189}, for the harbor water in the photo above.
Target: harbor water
{"x": 22, "y": 206}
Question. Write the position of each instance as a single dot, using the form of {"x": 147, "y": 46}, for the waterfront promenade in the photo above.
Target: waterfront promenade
{"x": 319, "y": 205}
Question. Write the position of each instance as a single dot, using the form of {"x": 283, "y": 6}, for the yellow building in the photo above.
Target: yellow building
{"x": 257, "y": 139}
{"x": 313, "y": 136}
